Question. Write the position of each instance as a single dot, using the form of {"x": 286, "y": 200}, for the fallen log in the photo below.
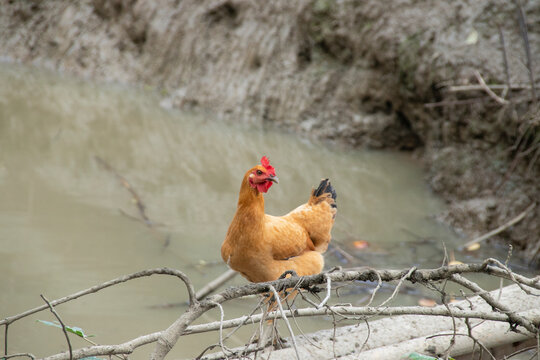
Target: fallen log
{"x": 396, "y": 337}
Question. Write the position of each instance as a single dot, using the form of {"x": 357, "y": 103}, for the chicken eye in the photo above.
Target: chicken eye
{"x": 259, "y": 172}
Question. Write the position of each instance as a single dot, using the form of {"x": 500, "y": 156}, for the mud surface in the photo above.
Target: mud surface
{"x": 360, "y": 73}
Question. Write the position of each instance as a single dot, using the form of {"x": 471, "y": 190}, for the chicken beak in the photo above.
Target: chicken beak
{"x": 273, "y": 178}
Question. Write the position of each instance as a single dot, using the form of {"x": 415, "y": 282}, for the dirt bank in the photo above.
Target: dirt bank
{"x": 357, "y": 72}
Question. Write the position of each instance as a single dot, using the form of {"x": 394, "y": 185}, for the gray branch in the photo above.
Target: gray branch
{"x": 94, "y": 289}
{"x": 165, "y": 340}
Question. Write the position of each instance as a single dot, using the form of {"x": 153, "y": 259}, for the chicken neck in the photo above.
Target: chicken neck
{"x": 250, "y": 202}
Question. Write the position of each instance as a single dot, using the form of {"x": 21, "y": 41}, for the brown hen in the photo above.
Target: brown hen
{"x": 262, "y": 247}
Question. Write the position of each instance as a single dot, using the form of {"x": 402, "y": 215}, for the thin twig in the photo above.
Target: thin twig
{"x": 405, "y": 277}
{"x": 518, "y": 144}
{"x": 520, "y": 280}
{"x": 222, "y": 316}
{"x": 258, "y": 306}
{"x": 517, "y": 352}
{"x": 278, "y": 301}
{"x": 474, "y": 87}
{"x": 374, "y": 292}
{"x": 214, "y": 284}
{"x": 334, "y": 327}
{"x": 31, "y": 356}
{"x": 338, "y": 249}
{"x": 136, "y": 198}
{"x": 505, "y": 266}
{"x": 525, "y": 36}
{"x": 445, "y": 259}
{"x": 488, "y": 90}
{"x": 349, "y": 310}
{"x": 469, "y": 331}
{"x": 458, "y": 334}
{"x": 472, "y": 307}
{"x": 508, "y": 88}
{"x": 6, "y": 339}
{"x": 120, "y": 356}
{"x": 512, "y": 317}
{"x": 263, "y": 330}
{"x": 533, "y": 159}
{"x": 453, "y": 340}
{"x": 96, "y": 288}
{"x": 367, "y": 336}
{"x": 239, "y": 353}
{"x": 503, "y": 227}
{"x": 300, "y": 329}
{"x": 125, "y": 348}
{"x": 61, "y": 323}
{"x": 538, "y": 345}
{"x": 328, "y": 292}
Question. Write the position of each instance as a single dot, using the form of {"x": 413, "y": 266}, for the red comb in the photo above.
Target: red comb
{"x": 266, "y": 163}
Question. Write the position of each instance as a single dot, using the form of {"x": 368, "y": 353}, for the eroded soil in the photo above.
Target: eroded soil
{"x": 370, "y": 73}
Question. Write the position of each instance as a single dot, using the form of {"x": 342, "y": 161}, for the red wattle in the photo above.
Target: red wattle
{"x": 262, "y": 187}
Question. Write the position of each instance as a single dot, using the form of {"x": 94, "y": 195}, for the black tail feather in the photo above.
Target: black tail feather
{"x": 326, "y": 188}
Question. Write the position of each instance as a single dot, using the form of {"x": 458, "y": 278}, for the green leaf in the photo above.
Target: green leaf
{"x": 49, "y": 323}
{"x": 72, "y": 329}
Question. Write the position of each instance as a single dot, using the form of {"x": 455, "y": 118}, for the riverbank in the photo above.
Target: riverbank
{"x": 403, "y": 75}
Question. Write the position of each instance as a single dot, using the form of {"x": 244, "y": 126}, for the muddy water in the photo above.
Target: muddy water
{"x": 67, "y": 223}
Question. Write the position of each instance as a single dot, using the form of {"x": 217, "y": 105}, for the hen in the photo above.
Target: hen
{"x": 262, "y": 247}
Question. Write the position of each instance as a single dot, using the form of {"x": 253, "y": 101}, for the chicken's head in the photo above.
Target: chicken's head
{"x": 263, "y": 176}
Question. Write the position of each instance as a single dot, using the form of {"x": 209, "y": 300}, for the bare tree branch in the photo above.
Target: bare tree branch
{"x": 61, "y": 323}
{"x": 454, "y": 334}
{"x": 472, "y": 87}
{"x": 174, "y": 331}
{"x": 351, "y": 311}
{"x": 222, "y": 316}
{"x": 525, "y": 36}
{"x": 136, "y": 198}
{"x": 96, "y": 288}
{"x": 403, "y": 278}
{"x": 514, "y": 319}
{"x": 328, "y": 292}
{"x": 488, "y": 90}
{"x": 6, "y": 339}
{"x": 125, "y": 348}
{"x": 31, "y": 356}
{"x": 503, "y": 227}
{"x": 374, "y": 292}
{"x": 284, "y": 317}
{"x": 167, "y": 339}
{"x": 216, "y": 283}
{"x": 508, "y": 88}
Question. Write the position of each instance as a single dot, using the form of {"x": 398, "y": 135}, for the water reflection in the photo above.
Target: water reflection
{"x": 61, "y": 229}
